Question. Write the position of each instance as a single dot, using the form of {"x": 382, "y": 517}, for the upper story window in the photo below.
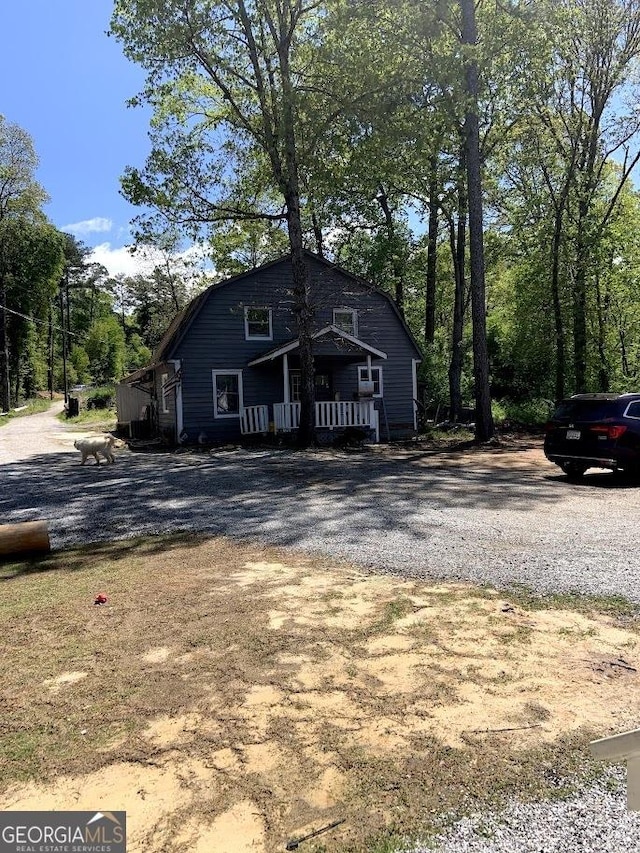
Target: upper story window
{"x": 347, "y": 320}
{"x": 257, "y": 323}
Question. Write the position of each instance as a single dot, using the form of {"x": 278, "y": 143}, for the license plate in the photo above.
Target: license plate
{"x": 573, "y": 434}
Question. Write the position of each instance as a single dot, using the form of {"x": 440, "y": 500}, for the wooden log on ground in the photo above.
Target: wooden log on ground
{"x": 28, "y": 537}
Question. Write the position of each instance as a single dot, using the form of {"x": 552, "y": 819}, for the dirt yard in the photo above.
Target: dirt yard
{"x": 232, "y": 699}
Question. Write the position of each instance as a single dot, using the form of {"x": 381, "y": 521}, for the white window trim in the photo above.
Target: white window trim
{"x": 354, "y": 319}
{"x": 363, "y": 379}
{"x": 216, "y": 373}
{"x": 249, "y": 337}
{"x": 164, "y": 378}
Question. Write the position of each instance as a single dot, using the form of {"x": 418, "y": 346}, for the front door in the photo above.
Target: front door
{"x": 294, "y": 385}
{"x": 323, "y": 385}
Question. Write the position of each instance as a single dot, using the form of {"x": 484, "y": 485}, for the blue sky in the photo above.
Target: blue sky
{"x": 66, "y": 83}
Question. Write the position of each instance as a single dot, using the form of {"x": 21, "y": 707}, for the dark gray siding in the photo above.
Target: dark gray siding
{"x": 215, "y": 340}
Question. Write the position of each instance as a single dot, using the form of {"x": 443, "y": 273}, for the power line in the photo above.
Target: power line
{"x": 35, "y": 320}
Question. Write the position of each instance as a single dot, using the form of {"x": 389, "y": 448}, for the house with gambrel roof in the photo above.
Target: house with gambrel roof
{"x": 228, "y": 364}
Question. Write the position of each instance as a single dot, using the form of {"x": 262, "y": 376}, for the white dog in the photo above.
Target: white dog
{"x": 94, "y": 445}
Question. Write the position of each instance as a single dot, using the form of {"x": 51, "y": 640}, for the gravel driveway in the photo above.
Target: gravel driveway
{"x": 499, "y": 517}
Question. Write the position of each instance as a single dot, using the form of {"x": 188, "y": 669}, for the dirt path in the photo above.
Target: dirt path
{"x": 23, "y": 438}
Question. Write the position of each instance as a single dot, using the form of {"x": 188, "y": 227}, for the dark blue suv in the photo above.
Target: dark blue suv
{"x": 595, "y": 431}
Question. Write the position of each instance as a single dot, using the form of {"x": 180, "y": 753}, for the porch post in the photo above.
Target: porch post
{"x": 285, "y": 377}
{"x": 368, "y": 367}
{"x": 177, "y": 364}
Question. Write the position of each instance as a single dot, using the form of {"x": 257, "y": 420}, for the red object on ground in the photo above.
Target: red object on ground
{"x": 101, "y": 598}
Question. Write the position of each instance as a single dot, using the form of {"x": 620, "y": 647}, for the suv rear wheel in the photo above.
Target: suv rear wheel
{"x": 573, "y": 470}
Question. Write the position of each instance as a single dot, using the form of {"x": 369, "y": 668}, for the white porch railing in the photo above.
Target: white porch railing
{"x": 286, "y": 416}
{"x": 332, "y": 415}
{"x": 328, "y": 415}
{"x": 254, "y": 419}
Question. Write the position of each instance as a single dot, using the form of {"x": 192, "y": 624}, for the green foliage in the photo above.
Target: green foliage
{"x": 97, "y": 409}
{"x": 522, "y": 413}
{"x": 79, "y": 360}
{"x": 31, "y": 260}
{"x": 101, "y": 397}
{"x": 239, "y": 246}
{"x": 138, "y": 355}
{"x": 106, "y": 347}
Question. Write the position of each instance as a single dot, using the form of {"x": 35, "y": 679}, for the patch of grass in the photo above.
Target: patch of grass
{"x": 577, "y": 632}
{"x": 397, "y": 609}
{"x": 447, "y": 438}
{"x": 34, "y": 406}
{"x": 391, "y": 844}
{"x": 609, "y": 605}
{"x": 393, "y": 610}
{"x": 104, "y": 419}
{"x": 332, "y": 594}
{"x": 20, "y": 752}
{"x": 520, "y": 634}
{"x": 536, "y": 712}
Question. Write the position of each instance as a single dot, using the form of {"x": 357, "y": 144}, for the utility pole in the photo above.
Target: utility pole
{"x": 51, "y": 351}
{"x": 64, "y": 316}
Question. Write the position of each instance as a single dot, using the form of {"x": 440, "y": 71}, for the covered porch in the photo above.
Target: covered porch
{"x": 346, "y": 383}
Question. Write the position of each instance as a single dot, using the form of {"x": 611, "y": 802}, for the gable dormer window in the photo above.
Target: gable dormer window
{"x": 346, "y": 319}
{"x": 257, "y": 323}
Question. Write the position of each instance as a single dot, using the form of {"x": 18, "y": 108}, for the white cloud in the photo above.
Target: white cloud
{"x": 122, "y": 261}
{"x": 89, "y": 226}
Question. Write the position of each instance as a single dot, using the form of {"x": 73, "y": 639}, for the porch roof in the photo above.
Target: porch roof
{"x": 140, "y": 375}
{"x": 292, "y": 345}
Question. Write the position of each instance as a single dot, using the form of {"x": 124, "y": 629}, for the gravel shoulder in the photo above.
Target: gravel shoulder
{"x": 595, "y": 821}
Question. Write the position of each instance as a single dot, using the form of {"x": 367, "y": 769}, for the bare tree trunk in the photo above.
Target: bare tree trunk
{"x": 17, "y": 380}
{"x": 484, "y": 418}
{"x": 624, "y": 359}
{"x": 304, "y": 314}
{"x": 603, "y": 367}
{"x": 317, "y": 233}
{"x": 383, "y": 201}
{"x": 557, "y": 308}
{"x": 458, "y": 242}
{"x": 432, "y": 249}
{"x": 580, "y": 306}
{"x": 301, "y": 278}
{"x": 171, "y": 280}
